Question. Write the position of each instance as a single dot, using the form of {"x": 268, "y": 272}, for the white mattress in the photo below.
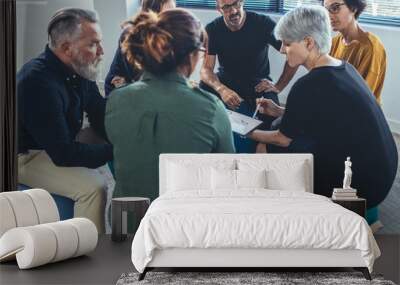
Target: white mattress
{"x": 250, "y": 219}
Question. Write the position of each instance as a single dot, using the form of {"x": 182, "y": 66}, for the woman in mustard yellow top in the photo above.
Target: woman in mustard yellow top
{"x": 362, "y": 49}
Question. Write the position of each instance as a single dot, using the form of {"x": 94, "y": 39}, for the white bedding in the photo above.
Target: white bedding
{"x": 252, "y": 218}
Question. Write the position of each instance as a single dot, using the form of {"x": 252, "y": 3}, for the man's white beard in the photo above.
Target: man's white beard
{"x": 90, "y": 71}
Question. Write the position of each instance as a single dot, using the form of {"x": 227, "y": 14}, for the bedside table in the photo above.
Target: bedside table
{"x": 119, "y": 208}
{"x": 357, "y": 205}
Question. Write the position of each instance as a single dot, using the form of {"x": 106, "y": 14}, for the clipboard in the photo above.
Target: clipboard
{"x": 242, "y": 124}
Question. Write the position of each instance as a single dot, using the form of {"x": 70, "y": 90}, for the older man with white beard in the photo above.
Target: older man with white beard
{"x": 54, "y": 90}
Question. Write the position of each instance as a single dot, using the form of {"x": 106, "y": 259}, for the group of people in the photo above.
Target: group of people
{"x": 151, "y": 107}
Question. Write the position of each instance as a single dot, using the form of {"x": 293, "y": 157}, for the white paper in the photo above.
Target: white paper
{"x": 242, "y": 124}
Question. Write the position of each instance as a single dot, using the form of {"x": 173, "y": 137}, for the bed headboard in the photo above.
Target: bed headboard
{"x": 166, "y": 159}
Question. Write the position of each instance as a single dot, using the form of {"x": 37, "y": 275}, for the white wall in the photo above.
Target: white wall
{"x": 390, "y": 37}
{"x": 32, "y": 19}
{"x": 33, "y": 16}
{"x": 111, "y": 13}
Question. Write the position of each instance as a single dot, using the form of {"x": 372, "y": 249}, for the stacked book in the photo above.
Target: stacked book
{"x": 344, "y": 194}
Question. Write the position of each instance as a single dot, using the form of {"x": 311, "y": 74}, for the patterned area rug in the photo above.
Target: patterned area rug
{"x": 244, "y": 278}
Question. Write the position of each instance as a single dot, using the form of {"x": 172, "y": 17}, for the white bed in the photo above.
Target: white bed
{"x": 203, "y": 220}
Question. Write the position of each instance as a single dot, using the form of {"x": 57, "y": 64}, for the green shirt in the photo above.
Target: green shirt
{"x": 161, "y": 114}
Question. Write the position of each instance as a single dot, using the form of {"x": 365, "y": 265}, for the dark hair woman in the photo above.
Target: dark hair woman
{"x": 162, "y": 113}
{"x": 121, "y": 72}
{"x": 360, "y": 48}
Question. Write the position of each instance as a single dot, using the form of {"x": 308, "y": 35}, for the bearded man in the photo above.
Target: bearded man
{"x": 54, "y": 90}
{"x": 240, "y": 40}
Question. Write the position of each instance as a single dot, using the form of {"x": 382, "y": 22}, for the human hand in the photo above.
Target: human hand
{"x": 266, "y": 86}
{"x": 193, "y": 84}
{"x": 118, "y": 81}
{"x": 268, "y": 107}
{"x": 230, "y": 97}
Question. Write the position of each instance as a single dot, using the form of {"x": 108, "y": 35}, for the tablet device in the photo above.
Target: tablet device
{"x": 242, "y": 124}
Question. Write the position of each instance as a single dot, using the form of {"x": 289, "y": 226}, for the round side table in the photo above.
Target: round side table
{"x": 119, "y": 214}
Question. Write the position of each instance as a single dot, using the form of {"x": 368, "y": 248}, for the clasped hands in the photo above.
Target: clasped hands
{"x": 118, "y": 81}
{"x": 233, "y": 100}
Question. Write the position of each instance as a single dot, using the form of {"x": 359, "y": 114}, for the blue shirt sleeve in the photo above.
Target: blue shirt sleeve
{"x": 211, "y": 44}
{"x": 117, "y": 68}
{"x": 269, "y": 25}
{"x": 95, "y": 109}
{"x": 120, "y": 67}
{"x": 44, "y": 117}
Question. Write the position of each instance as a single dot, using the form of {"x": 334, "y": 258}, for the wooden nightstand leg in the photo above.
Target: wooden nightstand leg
{"x": 143, "y": 274}
{"x": 364, "y": 271}
{"x": 116, "y": 223}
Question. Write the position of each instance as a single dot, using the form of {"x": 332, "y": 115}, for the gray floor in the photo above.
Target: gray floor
{"x": 103, "y": 266}
{"x": 106, "y": 264}
{"x": 390, "y": 208}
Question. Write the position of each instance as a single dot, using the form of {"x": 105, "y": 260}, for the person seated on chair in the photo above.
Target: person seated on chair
{"x": 362, "y": 49}
{"x": 162, "y": 112}
{"x": 121, "y": 72}
{"x": 330, "y": 112}
{"x": 54, "y": 90}
{"x": 241, "y": 40}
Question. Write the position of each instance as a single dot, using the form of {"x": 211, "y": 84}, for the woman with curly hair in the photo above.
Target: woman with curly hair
{"x": 121, "y": 72}
{"x": 162, "y": 112}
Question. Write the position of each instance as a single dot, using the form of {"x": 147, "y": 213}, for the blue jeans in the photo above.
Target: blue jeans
{"x": 242, "y": 143}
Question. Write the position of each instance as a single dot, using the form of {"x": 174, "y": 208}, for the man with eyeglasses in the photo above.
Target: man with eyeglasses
{"x": 54, "y": 90}
{"x": 241, "y": 40}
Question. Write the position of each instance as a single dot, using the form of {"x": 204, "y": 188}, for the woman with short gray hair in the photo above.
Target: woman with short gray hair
{"x": 306, "y": 21}
{"x": 330, "y": 112}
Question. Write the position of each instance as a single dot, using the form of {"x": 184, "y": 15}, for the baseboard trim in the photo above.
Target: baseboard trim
{"x": 394, "y": 126}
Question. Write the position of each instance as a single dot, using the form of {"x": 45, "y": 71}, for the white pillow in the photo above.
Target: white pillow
{"x": 291, "y": 179}
{"x": 224, "y": 179}
{"x": 251, "y": 178}
{"x": 281, "y": 174}
{"x": 188, "y": 174}
{"x": 181, "y": 178}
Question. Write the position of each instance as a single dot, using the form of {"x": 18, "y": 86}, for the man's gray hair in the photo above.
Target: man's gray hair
{"x": 303, "y": 21}
{"x": 65, "y": 25}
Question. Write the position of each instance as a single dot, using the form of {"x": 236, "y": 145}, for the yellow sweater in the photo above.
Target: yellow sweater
{"x": 367, "y": 55}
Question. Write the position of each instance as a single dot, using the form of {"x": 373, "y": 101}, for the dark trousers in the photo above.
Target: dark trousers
{"x": 298, "y": 145}
{"x": 247, "y": 107}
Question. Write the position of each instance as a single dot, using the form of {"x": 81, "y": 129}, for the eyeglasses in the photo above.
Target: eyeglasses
{"x": 236, "y": 5}
{"x": 334, "y": 8}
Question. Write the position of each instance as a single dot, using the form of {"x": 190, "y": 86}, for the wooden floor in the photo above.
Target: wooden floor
{"x": 110, "y": 260}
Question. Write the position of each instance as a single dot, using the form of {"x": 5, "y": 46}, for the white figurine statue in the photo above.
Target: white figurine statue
{"x": 347, "y": 174}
